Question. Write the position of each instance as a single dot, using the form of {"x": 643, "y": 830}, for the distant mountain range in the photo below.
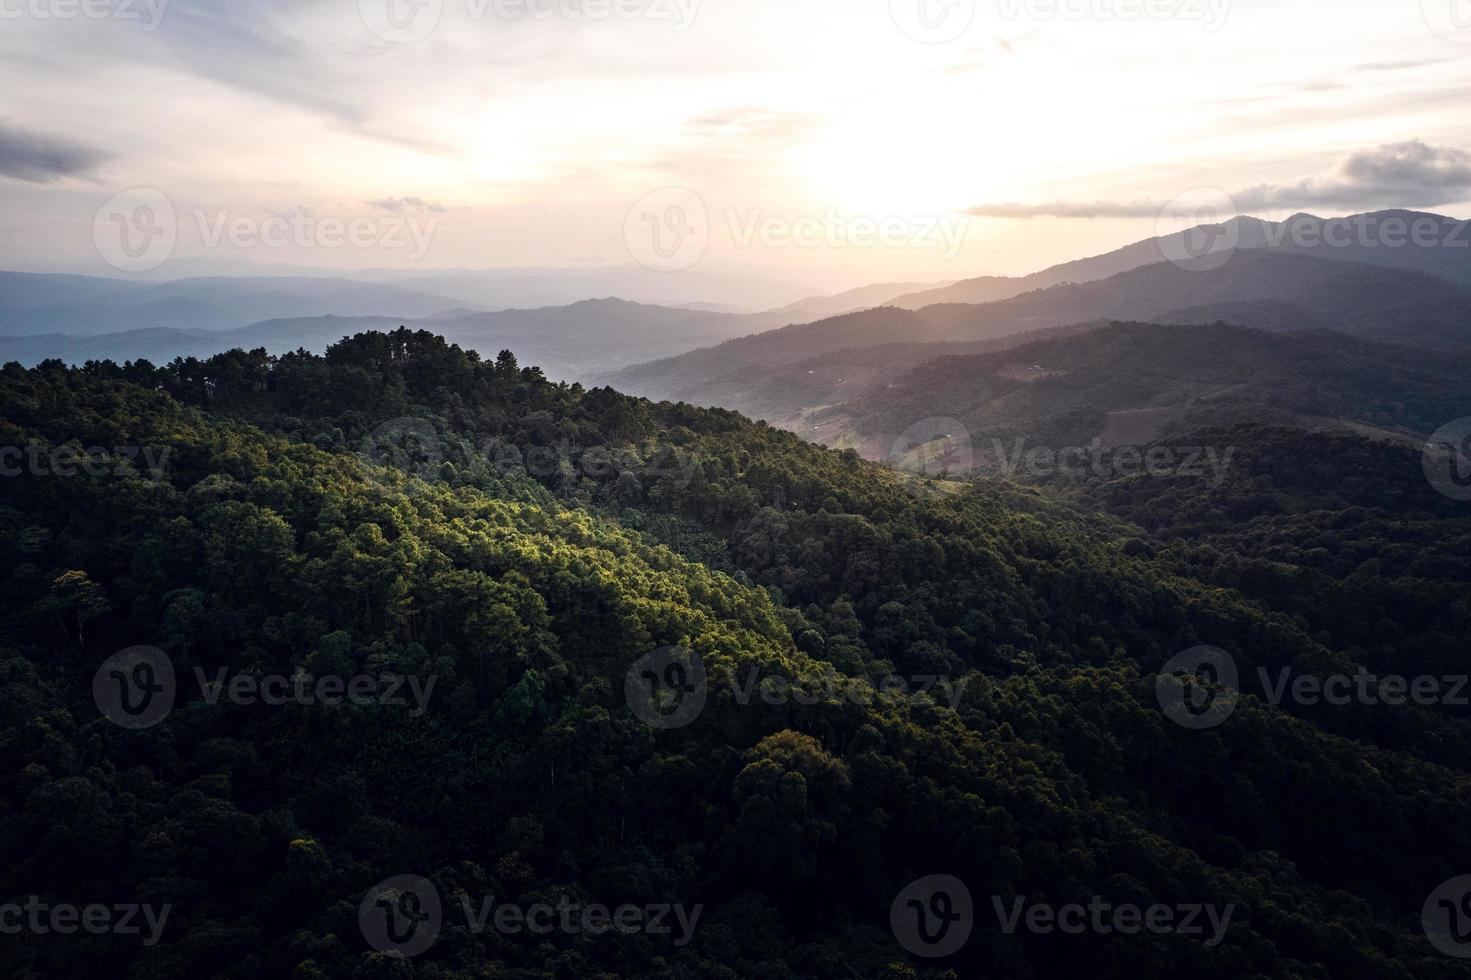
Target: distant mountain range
{"x": 1375, "y": 302}
{"x": 567, "y": 342}
{"x": 1393, "y": 276}
{"x": 505, "y": 289}
{"x": 1411, "y": 240}
{"x": 785, "y": 374}
{"x": 78, "y": 318}
{"x": 83, "y": 306}
{"x": 862, "y": 298}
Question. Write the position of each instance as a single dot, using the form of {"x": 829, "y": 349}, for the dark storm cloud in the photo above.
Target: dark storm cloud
{"x": 41, "y": 158}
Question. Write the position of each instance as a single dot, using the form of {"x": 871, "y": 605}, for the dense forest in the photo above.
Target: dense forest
{"x": 402, "y": 508}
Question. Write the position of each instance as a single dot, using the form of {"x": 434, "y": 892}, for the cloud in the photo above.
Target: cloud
{"x": 1405, "y": 174}
{"x": 1400, "y": 65}
{"x": 1411, "y": 174}
{"x": 244, "y": 45}
{"x": 42, "y": 159}
{"x": 397, "y": 205}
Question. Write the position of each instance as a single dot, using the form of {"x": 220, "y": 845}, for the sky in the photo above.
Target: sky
{"x": 828, "y": 143}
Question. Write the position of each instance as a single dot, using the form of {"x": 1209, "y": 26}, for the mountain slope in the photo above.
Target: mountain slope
{"x": 28, "y": 291}
{"x": 851, "y": 301}
{"x": 273, "y": 544}
{"x": 1262, "y": 288}
{"x": 1366, "y": 301}
{"x": 1136, "y": 383}
{"x": 1413, "y": 241}
{"x": 1247, "y": 232}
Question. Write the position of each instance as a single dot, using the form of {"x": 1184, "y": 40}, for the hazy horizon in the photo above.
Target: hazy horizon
{"x": 919, "y": 141}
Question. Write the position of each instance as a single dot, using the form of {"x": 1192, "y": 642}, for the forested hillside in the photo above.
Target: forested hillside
{"x": 401, "y": 507}
{"x": 1136, "y": 383}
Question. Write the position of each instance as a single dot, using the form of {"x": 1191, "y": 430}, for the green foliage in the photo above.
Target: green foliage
{"x": 275, "y": 542}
